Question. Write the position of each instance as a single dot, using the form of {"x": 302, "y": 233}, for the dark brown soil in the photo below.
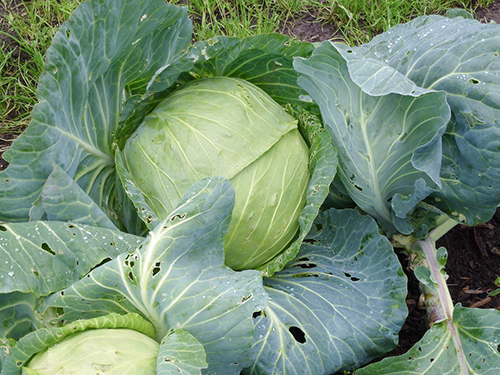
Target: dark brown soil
{"x": 474, "y": 253}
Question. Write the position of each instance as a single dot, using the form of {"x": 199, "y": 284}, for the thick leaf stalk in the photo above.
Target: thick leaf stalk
{"x": 428, "y": 263}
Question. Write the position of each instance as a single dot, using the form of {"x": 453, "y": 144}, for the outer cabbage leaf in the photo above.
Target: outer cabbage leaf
{"x": 472, "y": 350}
{"x": 339, "y": 304}
{"x": 6, "y": 346}
{"x": 17, "y": 314}
{"x": 41, "y": 339}
{"x": 460, "y": 57}
{"x": 104, "y": 53}
{"x": 44, "y": 257}
{"x": 180, "y": 353}
{"x": 177, "y": 280}
{"x": 62, "y": 199}
{"x": 389, "y": 146}
{"x": 134, "y": 195}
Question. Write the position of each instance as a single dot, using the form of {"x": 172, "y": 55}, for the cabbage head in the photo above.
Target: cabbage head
{"x": 98, "y": 351}
{"x": 225, "y": 126}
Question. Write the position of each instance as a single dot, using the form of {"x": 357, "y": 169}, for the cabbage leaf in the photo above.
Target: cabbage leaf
{"x": 338, "y": 305}
{"x": 177, "y": 280}
{"x": 460, "y": 57}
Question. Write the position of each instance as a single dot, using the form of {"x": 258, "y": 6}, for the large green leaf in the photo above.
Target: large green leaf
{"x": 17, "y": 314}
{"x": 44, "y": 257}
{"x": 106, "y": 52}
{"x": 338, "y": 305}
{"x": 62, "y": 199}
{"x": 264, "y": 60}
{"x": 468, "y": 345}
{"x": 389, "y": 146}
{"x": 176, "y": 279}
{"x": 180, "y": 353}
{"x": 460, "y": 57}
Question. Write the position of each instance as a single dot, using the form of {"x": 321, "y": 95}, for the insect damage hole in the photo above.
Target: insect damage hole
{"x": 298, "y": 334}
{"x": 353, "y": 278}
{"x": 103, "y": 261}
{"x": 256, "y": 314}
{"x": 156, "y": 269}
{"x": 305, "y": 263}
{"x": 45, "y": 247}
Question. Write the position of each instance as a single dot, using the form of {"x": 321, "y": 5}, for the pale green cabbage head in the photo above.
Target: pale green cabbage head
{"x": 228, "y": 127}
{"x": 98, "y": 351}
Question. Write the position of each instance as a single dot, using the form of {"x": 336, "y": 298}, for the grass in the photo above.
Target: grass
{"x": 32, "y": 27}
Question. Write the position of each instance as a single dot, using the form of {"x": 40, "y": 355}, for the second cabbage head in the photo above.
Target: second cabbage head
{"x": 223, "y": 126}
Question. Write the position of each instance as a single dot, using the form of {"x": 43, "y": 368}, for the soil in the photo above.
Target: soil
{"x": 474, "y": 252}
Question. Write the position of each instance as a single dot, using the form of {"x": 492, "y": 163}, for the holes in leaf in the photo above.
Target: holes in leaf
{"x": 68, "y": 34}
{"x": 498, "y": 348}
{"x": 131, "y": 276}
{"x": 156, "y": 268}
{"x": 353, "y": 278}
{"x": 112, "y": 243}
{"x": 298, "y": 334}
{"x": 473, "y": 81}
{"x": 256, "y": 314}
{"x": 35, "y": 272}
{"x": 130, "y": 260}
{"x": 306, "y": 265}
{"x": 71, "y": 226}
{"x": 318, "y": 227}
{"x": 178, "y": 217}
{"x": 62, "y": 293}
{"x": 310, "y": 241}
{"x": 431, "y": 360}
{"x": 358, "y": 187}
{"x": 3, "y": 229}
{"x": 45, "y": 247}
{"x": 246, "y": 298}
{"x": 312, "y": 275}
{"x": 105, "y": 260}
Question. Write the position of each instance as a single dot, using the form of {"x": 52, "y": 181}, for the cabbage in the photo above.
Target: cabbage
{"x": 98, "y": 351}
{"x": 199, "y": 131}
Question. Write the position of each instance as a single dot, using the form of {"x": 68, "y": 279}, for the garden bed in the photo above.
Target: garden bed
{"x": 474, "y": 253}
